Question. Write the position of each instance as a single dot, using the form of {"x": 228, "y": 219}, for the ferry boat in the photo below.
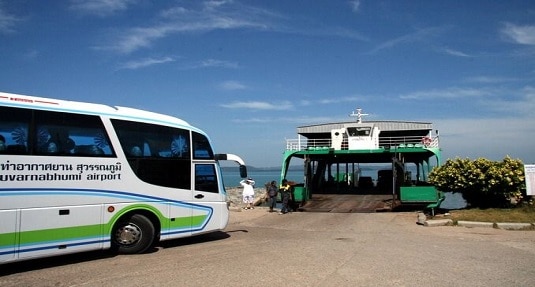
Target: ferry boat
{"x": 332, "y": 155}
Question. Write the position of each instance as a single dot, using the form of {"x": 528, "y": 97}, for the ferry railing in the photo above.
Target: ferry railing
{"x": 384, "y": 142}
{"x": 408, "y": 141}
{"x": 303, "y": 144}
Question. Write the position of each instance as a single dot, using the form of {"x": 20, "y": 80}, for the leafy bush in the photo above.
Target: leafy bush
{"x": 483, "y": 183}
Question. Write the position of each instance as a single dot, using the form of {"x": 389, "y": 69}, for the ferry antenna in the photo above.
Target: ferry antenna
{"x": 358, "y": 114}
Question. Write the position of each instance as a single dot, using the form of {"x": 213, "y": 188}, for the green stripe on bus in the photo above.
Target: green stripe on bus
{"x": 7, "y": 239}
{"x": 198, "y": 220}
{"x": 95, "y": 230}
{"x": 60, "y": 234}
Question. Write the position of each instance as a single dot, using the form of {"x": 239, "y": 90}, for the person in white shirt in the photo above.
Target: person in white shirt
{"x": 248, "y": 192}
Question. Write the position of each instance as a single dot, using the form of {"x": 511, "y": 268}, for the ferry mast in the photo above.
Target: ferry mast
{"x": 358, "y": 115}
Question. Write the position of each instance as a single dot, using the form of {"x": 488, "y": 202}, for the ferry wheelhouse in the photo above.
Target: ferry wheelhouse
{"x": 333, "y": 155}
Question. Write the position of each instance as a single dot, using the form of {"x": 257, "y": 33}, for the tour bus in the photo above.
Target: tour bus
{"x": 78, "y": 176}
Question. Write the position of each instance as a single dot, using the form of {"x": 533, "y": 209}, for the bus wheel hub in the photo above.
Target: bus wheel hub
{"x": 128, "y": 234}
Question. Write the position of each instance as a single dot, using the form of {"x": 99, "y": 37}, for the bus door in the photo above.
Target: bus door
{"x": 207, "y": 198}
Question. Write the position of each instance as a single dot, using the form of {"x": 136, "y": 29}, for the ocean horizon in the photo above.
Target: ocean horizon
{"x": 231, "y": 178}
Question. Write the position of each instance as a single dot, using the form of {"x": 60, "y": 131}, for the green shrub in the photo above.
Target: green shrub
{"x": 483, "y": 183}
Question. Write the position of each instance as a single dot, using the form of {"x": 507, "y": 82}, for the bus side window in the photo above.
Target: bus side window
{"x": 14, "y": 130}
{"x": 135, "y": 151}
{"x": 66, "y": 134}
{"x": 179, "y": 147}
{"x": 58, "y": 141}
{"x": 3, "y": 145}
{"x": 88, "y": 150}
{"x": 206, "y": 178}
{"x": 201, "y": 147}
{"x": 157, "y": 154}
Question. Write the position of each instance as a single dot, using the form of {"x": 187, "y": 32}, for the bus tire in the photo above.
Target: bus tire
{"x": 132, "y": 235}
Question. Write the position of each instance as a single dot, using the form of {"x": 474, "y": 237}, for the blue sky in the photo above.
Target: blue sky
{"x": 250, "y": 72}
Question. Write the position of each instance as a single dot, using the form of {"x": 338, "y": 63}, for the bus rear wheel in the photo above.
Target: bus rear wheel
{"x": 133, "y": 235}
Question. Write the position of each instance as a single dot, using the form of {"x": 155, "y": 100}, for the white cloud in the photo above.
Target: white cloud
{"x": 324, "y": 32}
{"x": 490, "y": 80}
{"x": 451, "y": 93}
{"x": 218, "y": 63}
{"x": 7, "y": 21}
{"x": 100, "y": 7}
{"x": 254, "y": 120}
{"x": 305, "y": 102}
{"x": 509, "y": 131}
{"x": 212, "y": 15}
{"x": 302, "y": 120}
{"x": 350, "y": 99}
{"x": 519, "y": 34}
{"x": 132, "y": 65}
{"x": 492, "y": 138}
{"x": 232, "y": 86}
{"x": 455, "y": 52}
{"x": 518, "y": 102}
{"x": 256, "y": 105}
{"x": 355, "y": 5}
{"x": 306, "y": 120}
{"x": 211, "y": 63}
{"x": 497, "y": 101}
{"x": 138, "y": 38}
{"x": 213, "y": 4}
{"x": 417, "y": 36}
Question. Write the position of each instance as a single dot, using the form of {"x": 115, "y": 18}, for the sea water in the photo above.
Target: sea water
{"x": 261, "y": 177}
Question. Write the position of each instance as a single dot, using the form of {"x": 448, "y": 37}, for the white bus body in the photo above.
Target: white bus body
{"x": 77, "y": 176}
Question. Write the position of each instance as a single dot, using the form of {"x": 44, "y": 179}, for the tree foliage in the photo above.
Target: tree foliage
{"x": 482, "y": 182}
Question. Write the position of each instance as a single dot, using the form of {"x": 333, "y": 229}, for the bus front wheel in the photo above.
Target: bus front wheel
{"x": 133, "y": 234}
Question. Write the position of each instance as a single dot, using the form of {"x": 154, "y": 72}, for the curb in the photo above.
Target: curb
{"x": 438, "y": 222}
{"x": 475, "y": 224}
{"x": 514, "y": 226}
{"x": 422, "y": 220}
{"x": 472, "y": 224}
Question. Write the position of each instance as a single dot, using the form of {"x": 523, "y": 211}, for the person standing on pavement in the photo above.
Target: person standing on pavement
{"x": 248, "y": 192}
{"x": 272, "y": 194}
{"x": 285, "y": 189}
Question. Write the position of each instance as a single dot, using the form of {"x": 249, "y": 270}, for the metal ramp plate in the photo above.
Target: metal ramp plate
{"x": 344, "y": 203}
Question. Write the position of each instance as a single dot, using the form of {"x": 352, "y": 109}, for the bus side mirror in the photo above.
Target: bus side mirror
{"x": 243, "y": 171}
